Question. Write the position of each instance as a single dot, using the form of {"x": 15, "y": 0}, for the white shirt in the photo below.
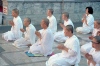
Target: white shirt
{"x": 53, "y": 23}
{"x": 47, "y": 41}
{"x": 17, "y": 26}
{"x": 69, "y": 22}
{"x": 73, "y": 54}
{"x": 30, "y": 33}
{"x": 90, "y": 22}
{"x": 96, "y": 57}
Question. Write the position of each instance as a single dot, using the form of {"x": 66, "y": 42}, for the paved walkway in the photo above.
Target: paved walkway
{"x": 12, "y": 56}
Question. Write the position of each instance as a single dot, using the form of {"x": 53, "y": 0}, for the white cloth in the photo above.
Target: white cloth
{"x": 52, "y": 23}
{"x": 59, "y": 36}
{"x": 29, "y": 37}
{"x": 87, "y": 28}
{"x": 44, "y": 45}
{"x": 88, "y": 46}
{"x": 72, "y": 57}
{"x": 15, "y": 32}
{"x": 96, "y": 57}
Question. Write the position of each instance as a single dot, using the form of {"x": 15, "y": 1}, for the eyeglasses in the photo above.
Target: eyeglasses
{"x": 94, "y": 42}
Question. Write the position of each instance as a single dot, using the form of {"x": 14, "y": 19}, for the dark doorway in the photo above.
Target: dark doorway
{"x": 1, "y": 7}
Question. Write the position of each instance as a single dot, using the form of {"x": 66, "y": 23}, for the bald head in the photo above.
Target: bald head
{"x": 97, "y": 23}
{"x": 16, "y": 11}
{"x": 45, "y": 23}
{"x": 27, "y": 21}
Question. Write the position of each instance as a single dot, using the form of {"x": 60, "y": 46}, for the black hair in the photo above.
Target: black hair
{"x": 90, "y": 10}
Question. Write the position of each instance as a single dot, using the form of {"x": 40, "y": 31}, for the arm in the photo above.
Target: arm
{"x": 71, "y": 51}
{"x": 32, "y": 35}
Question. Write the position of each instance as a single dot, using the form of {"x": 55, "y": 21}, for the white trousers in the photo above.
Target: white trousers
{"x": 83, "y": 30}
{"x": 22, "y": 42}
{"x": 60, "y": 37}
{"x": 86, "y": 48}
{"x": 57, "y": 60}
{"x": 35, "y": 48}
{"x": 8, "y": 36}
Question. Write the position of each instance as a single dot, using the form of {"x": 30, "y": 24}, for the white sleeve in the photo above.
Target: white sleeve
{"x": 74, "y": 50}
{"x": 32, "y": 35}
{"x": 90, "y": 20}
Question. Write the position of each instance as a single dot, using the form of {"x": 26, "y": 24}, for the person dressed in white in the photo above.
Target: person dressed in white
{"x": 87, "y": 47}
{"x": 52, "y": 20}
{"x": 45, "y": 42}
{"x": 16, "y": 24}
{"x": 29, "y": 35}
{"x": 88, "y": 21}
{"x": 94, "y": 54}
{"x": 59, "y": 36}
{"x": 70, "y": 54}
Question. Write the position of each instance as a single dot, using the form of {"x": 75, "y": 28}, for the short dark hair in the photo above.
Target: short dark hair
{"x": 69, "y": 28}
{"x": 46, "y": 21}
{"x": 97, "y": 39}
{"x": 51, "y": 10}
{"x": 28, "y": 19}
{"x": 90, "y": 10}
{"x": 16, "y": 11}
{"x": 66, "y": 14}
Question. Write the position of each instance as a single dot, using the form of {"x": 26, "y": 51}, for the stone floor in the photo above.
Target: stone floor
{"x": 12, "y": 56}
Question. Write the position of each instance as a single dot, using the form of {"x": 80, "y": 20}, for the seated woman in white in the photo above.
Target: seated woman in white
{"x": 59, "y": 36}
{"x": 16, "y": 24}
{"x": 93, "y": 57}
{"x": 29, "y": 35}
{"x": 70, "y": 54}
{"x": 87, "y": 47}
{"x": 88, "y": 21}
{"x": 45, "y": 42}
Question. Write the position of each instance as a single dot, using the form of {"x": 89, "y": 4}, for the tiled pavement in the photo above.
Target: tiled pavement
{"x": 12, "y": 56}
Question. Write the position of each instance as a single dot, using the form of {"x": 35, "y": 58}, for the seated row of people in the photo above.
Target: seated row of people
{"x": 70, "y": 50}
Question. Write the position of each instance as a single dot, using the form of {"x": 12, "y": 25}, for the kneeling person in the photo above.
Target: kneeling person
{"x": 70, "y": 54}
{"x": 45, "y": 42}
{"x": 29, "y": 35}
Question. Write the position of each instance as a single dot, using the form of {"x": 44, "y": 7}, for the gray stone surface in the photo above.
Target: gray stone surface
{"x": 37, "y": 10}
{"x": 12, "y": 56}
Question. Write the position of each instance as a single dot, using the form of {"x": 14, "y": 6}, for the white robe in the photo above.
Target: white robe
{"x": 85, "y": 29}
{"x": 15, "y": 32}
{"x": 28, "y": 39}
{"x": 72, "y": 57}
{"x": 53, "y": 23}
{"x": 43, "y": 46}
{"x": 59, "y": 36}
{"x": 87, "y": 47}
{"x": 96, "y": 57}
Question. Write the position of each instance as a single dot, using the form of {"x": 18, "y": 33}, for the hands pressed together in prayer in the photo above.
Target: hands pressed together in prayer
{"x": 90, "y": 37}
{"x": 90, "y": 59}
{"x": 22, "y": 30}
{"x": 62, "y": 47}
{"x": 61, "y": 25}
{"x": 11, "y": 23}
{"x": 84, "y": 19}
{"x": 38, "y": 34}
